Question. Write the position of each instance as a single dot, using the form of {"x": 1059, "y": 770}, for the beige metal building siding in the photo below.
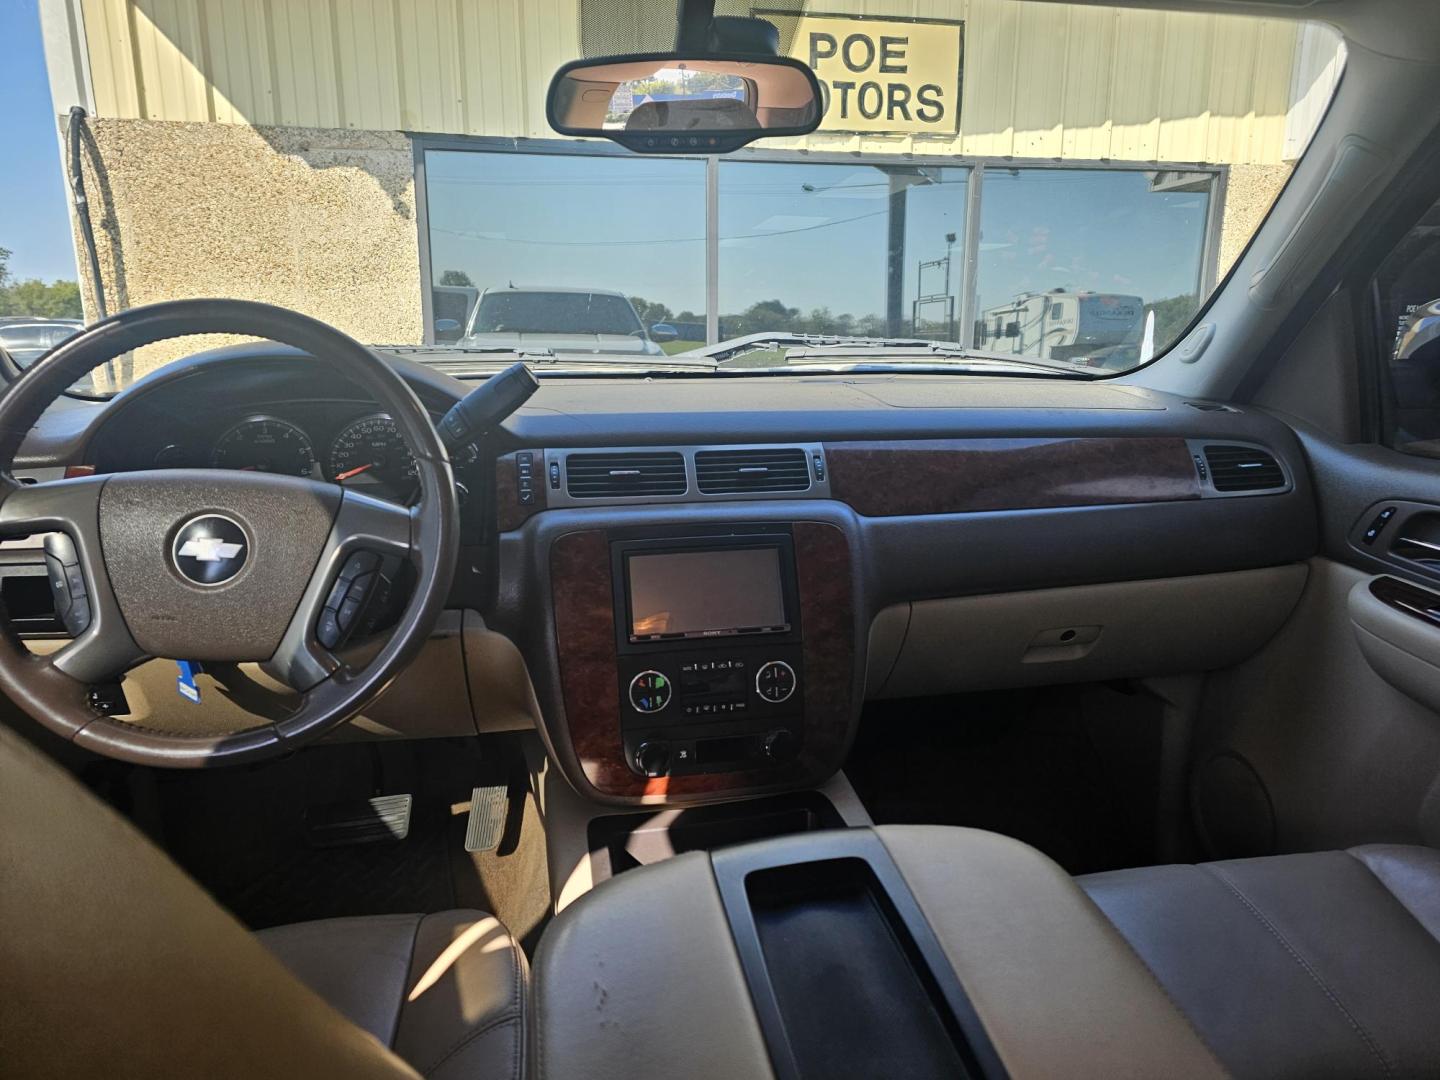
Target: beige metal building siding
{"x": 1040, "y": 80}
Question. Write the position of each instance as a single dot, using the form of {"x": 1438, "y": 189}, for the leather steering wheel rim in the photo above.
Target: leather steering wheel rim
{"x": 55, "y": 690}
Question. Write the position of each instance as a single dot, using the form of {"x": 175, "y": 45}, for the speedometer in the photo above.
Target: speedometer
{"x": 373, "y": 447}
{"x": 265, "y": 444}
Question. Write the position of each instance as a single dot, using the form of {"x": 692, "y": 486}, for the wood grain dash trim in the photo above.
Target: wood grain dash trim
{"x": 954, "y": 476}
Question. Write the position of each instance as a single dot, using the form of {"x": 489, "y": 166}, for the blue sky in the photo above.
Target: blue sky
{"x": 34, "y": 221}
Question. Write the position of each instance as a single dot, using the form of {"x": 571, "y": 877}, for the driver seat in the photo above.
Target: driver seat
{"x": 117, "y": 964}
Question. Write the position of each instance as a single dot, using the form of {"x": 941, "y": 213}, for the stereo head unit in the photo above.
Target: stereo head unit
{"x": 708, "y": 643}
{"x": 719, "y": 588}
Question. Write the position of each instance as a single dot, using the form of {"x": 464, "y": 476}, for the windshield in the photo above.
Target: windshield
{"x": 1002, "y": 187}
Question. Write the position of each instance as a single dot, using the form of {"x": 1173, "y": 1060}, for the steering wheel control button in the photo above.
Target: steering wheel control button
{"x": 775, "y": 682}
{"x": 650, "y": 692}
{"x": 210, "y": 550}
{"x": 67, "y": 584}
{"x": 348, "y": 598}
{"x": 327, "y": 629}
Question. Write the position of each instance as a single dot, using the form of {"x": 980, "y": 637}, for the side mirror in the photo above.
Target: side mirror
{"x": 687, "y": 104}
{"x": 661, "y": 332}
{"x": 446, "y": 326}
{"x": 1422, "y": 328}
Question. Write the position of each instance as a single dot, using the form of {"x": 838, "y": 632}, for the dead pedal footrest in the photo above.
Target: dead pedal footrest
{"x": 488, "y": 807}
{"x": 363, "y": 821}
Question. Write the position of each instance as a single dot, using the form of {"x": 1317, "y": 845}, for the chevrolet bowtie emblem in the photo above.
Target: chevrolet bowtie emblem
{"x": 210, "y": 549}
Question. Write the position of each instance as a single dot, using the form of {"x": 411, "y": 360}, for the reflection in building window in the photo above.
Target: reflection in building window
{"x": 841, "y": 249}
{"x": 1077, "y": 262}
{"x": 572, "y": 235}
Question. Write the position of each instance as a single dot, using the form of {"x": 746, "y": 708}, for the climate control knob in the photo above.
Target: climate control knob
{"x": 652, "y": 758}
{"x": 650, "y": 692}
{"x": 775, "y": 682}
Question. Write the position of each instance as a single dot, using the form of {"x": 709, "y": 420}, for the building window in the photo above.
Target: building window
{"x": 1095, "y": 266}
{"x": 513, "y": 237}
{"x": 1119, "y": 244}
{"x": 841, "y": 248}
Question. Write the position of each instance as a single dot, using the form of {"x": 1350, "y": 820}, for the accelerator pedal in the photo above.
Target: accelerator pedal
{"x": 488, "y": 808}
{"x": 362, "y": 821}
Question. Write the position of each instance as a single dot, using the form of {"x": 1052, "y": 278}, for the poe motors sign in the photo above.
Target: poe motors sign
{"x": 896, "y": 76}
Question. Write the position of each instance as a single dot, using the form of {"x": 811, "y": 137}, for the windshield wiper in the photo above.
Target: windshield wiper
{"x": 770, "y": 340}
{"x": 432, "y": 350}
{"x": 937, "y": 366}
{"x": 887, "y": 354}
{"x": 933, "y": 352}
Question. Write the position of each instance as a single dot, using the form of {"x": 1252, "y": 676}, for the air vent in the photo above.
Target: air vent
{"x": 1209, "y": 406}
{"x": 609, "y": 476}
{"x": 743, "y": 472}
{"x": 1243, "y": 468}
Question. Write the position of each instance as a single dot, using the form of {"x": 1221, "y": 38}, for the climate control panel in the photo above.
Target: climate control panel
{"x": 716, "y": 708}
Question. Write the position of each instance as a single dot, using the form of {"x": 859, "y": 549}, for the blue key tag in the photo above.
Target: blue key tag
{"x": 185, "y": 681}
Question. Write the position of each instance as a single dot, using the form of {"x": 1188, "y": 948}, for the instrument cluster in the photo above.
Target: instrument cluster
{"x": 367, "y": 449}
{"x": 344, "y": 443}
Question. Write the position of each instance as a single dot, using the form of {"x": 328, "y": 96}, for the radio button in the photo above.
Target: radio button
{"x": 775, "y": 682}
{"x": 650, "y": 692}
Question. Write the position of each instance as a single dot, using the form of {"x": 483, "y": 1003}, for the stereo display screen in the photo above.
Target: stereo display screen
{"x": 706, "y": 593}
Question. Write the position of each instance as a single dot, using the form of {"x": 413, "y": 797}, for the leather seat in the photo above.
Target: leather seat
{"x": 1313, "y": 965}
{"x": 116, "y": 964}
{"x": 446, "y": 991}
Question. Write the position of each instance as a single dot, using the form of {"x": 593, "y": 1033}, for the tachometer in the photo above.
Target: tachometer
{"x": 265, "y": 444}
{"x": 373, "y": 447}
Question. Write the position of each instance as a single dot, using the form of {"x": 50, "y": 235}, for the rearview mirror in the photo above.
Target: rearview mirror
{"x": 673, "y": 103}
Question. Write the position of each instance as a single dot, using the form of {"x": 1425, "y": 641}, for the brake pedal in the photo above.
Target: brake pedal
{"x": 363, "y": 821}
{"x": 488, "y": 807}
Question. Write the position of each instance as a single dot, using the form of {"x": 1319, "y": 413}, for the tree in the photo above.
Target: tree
{"x": 651, "y": 311}
{"x": 1172, "y": 315}
{"x": 57, "y": 300}
{"x": 456, "y": 277}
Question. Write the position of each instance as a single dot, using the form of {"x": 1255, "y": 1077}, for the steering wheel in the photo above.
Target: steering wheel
{"x": 216, "y": 565}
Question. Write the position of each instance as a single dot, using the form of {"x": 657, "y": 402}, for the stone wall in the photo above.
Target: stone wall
{"x": 1249, "y": 192}
{"x": 322, "y": 221}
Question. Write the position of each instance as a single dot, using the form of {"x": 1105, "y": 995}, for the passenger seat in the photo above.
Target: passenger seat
{"x": 1323, "y": 964}
{"x": 445, "y": 991}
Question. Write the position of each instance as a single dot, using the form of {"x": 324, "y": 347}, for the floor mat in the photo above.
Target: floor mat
{"x": 1029, "y": 764}
{"x": 241, "y": 833}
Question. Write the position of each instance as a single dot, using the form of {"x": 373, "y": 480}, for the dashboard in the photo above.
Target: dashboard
{"x": 693, "y": 585}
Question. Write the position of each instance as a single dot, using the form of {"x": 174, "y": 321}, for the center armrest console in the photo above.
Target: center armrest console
{"x": 919, "y": 951}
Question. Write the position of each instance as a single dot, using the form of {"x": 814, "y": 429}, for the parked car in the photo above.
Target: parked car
{"x": 562, "y": 319}
{"x": 28, "y": 340}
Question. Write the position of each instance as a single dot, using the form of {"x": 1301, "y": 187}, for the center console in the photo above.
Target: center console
{"x": 916, "y": 951}
{"x": 706, "y": 660}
